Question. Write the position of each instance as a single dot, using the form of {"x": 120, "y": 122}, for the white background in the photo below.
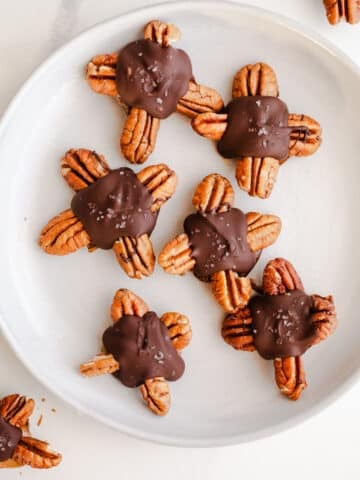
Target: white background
{"x": 326, "y": 445}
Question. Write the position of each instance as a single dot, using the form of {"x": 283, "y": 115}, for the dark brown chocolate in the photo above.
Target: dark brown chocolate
{"x": 115, "y": 206}
{"x": 152, "y": 77}
{"x": 282, "y": 325}
{"x": 256, "y": 127}
{"x": 143, "y": 348}
{"x": 219, "y": 242}
{"x": 10, "y": 436}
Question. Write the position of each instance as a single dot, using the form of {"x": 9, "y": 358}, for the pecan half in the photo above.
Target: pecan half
{"x": 161, "y": 182}
{"x": 135, "y": 255}
{"x": 290, "y": 376}
{"x": 210, "y": 125}
{"x": 81, "y": 167}
{"x": 199, "y": 99}
{"x": 263, "y": 230}
{"x": 179, "y": 329}
{"x": 126, "y": 302}
{"x": 213, "y": 194}
{"x": 257, "y": 176}
{"x": 139, "y": 134}
{"x": 17, "y": 409}
{"x": 9, "y": 464}
{"x": 176, "y": 256}
{"x": 336, "y": 10}
{"x": 162, "y": 33}
{"x": 280, "y": 277}
{"x": 63, "y": 234}
{"x": 237, "y": 330}
{"x": 156, "y": 395}
{"x": 231, "y": 291}
{"x": 257, "y": 79}
{"x": 101, "y": 74}
{"x": 35, "y": 453}
{"x": 323, "y": 316}
{"x": 101, "y": 364}
{"x": 305, "y": 137}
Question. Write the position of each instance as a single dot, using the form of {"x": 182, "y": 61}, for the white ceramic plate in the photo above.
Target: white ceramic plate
{"x": 53, "y": 310}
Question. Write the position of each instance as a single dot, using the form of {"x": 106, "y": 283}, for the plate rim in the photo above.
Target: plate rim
{"x": 165, "y": 8}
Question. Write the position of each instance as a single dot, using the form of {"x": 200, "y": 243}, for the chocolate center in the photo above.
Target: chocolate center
{"x": 143, "y": 348}
{"x": 152, "y": 77}
{"x": 282, "y": 325}
{"x": 10, "y": 436}
{"x": 219, "y": 242}
{"x": 256, "y": 127}
{"x": 115, "y": 206}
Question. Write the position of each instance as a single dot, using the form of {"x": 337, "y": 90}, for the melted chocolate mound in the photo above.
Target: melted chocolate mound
{"x": 143, "y": 348}
{"x": 115, "y": 206}
{"x": 10, "y": 436}
{"x": 152, "y": 77}
{"x": 257, "y": 127}
{"x": 219, "y": 242}
{"x": 281, "y": 324}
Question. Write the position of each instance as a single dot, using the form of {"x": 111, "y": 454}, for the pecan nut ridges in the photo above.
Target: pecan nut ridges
{"x": 221, "y": 244}
{"x": 281, "y": 322}
{"x": 63, "y": 234}
{"x": 114, "y": 209}
{"x": 151, "y": 79}
{"x": 17, "y": 447}
{"x": 256, "y": 130}
{"x": 257, "y": 79}
{"x": 156, "y": 395}
{"x": 290, "y": 376}
{"x": 141, "y": 349}
{"x": 337, "y": 10}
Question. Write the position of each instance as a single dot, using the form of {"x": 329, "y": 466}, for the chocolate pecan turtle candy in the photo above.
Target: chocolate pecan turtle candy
{"x": 221, "y": 244}
{"x": 17, "y": 446}
{"x": 256, "y": 129}
{"x": 281, "y": 323}
{"x": 141, "y": 349}
{"x": 151, "y": 79}
{"x": 338, "y": 10}
{"x": 114, "y": 209}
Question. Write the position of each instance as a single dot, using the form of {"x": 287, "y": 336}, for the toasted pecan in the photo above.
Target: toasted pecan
{"x": 161, "y": 182}
{"x": 214, "y": 194}
{"x": 156, "y": 395}
{"x": 101, "y": 74}
{"x": 81, "y": 167}
{"x": 126, "y": 302}
{"x": 323, "y": 317}
{"x": 179, "y": 329}
{"x": 290, "y": 376}
{"x": 135, "y": 255}
{"x": 139, "y": 134}
{"x": 210, "y": 125}
{"x": 257, "y": 79}
{"x": 263, "y": 230}
{"x": 17, "y": 409}
{"x": 63, "y": 234}
{"x": 280, "y": 277}
{"x": 257, "y": 176}
{"x": 101, "y": 364}
{"x": 199, "y": 99}
{"x": 305, "y": 137}
{"x": 176, "y": 256}
{"x": 162, "y": 33}
{"x": 237, "y": 330}
{"x": 231, "y": 291}
{"x": 337, "y": 10}
{"x": 35, "y": 453}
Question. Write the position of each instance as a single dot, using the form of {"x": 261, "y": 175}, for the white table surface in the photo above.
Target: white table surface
{"x": 326, "y": 445}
